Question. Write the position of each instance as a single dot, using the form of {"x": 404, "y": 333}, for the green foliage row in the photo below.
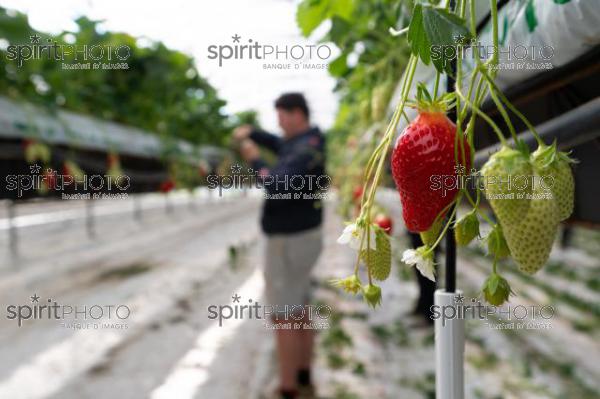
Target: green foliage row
{"x": 162, "y": 91}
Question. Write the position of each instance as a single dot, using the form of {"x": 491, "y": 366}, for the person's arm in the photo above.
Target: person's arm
{"x": 267, "y": 140}
{"x": 251, "y": 154}
{"x": 306, "y": 160}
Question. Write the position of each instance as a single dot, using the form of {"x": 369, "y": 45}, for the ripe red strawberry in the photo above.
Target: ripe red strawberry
{"x": 423, "y": 156}
{"x": 167, "y": 186}
{"x": 50, "y": 177}
{"x": 357, "y": 194}
{"x": 384, "y": 221}
{"x": 112, "y": 160}
{"x": 114, "y": 169}
{"x": 27, "y": 142}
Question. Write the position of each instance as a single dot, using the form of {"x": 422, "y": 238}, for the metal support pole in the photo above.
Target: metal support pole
{"x": 450, "y": 257}
{"x": 449, "y": 334}
{"x": 450, "y": 242}
{"x": 449, "y": 349}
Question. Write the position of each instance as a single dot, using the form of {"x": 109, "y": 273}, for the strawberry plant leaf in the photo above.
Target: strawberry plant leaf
{"x": 311, "y": 13}
{"x": 497, "y": 246}
{"x": 417, "y": 37}
{"x": 435, "y": 28}
{"x": 339, "y": 66}
{"x": 444, "y": 30}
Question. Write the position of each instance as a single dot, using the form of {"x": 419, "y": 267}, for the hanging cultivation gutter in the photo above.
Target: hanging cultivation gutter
{"x": 24, "y": 120}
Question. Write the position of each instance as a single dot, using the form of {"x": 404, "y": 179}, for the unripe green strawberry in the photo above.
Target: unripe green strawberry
{"x": 36, "y": 151}
{"x": 507, "y": 181}
{"x": 379, "y": 260}
{"x": 466, "y": 228}
{"x": 372, "y": 295}
{"x": 430, "y": 236}
{"x": 379, "y": 100}
{"x": 554, "y": 167}
{"x": 496, "y": 290}
{"x": 365, "y": 110}
{"x": 496, "y": 243}
{"x": 530, "y": 241}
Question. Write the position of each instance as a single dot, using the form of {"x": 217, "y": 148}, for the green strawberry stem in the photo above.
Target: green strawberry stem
{"x": 440, "y": 216}
{"x": 362, "y": 241}
{"x": 369, "y": 274}
{"x": 443, "y": 233}
{"x": 392, "y": 126}
{"x": 405, "y": 117}
{"x": 378, "y": 158}
{"x": 472, "y": 19}
{"x": 436, "y": 84}
{"x": 483, "y": 68}
{"x": 494, "y": 14}
{"x": 511, "y": 107}
{"x": 475, "y": 205}
{"x": 504, "y": 114}
{"x": 459, "y": 119}
{"x": 387, "y": 139}
{"x": 483, "y": 116}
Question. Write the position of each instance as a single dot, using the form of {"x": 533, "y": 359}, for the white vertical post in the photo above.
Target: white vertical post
{"x": 137, "y": 207}
{"x": 89, "y": 218}
{"x": 12, "y": 229}
{"x": 449, "y": 349}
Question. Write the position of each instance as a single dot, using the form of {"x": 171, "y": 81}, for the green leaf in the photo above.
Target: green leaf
{"x": 311, "y": 13}
{"x": 15, "y": 29}
{"x": 341, "y": 8}
{"x": 444, "y": 30}
{"x": 496, "y": 243}
{"x": 417, "y": 37}
{"x": 435, "y": 28}
{"x": 466, "y": 228}
{"x": 339, "y": 67}
{"x": 340, "y": 29}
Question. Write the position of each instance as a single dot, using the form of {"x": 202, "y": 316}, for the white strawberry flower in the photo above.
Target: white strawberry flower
{"x": 422, "y": 258}
{"x": 353, "y": 234}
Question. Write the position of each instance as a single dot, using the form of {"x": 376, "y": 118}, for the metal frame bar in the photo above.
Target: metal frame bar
{"x": 572, "y": 128}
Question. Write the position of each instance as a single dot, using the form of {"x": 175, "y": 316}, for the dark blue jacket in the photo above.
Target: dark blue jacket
{"x": 293, "y": 185}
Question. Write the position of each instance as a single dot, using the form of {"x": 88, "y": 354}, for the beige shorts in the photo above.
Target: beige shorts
{"x": 289, "y": 260}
